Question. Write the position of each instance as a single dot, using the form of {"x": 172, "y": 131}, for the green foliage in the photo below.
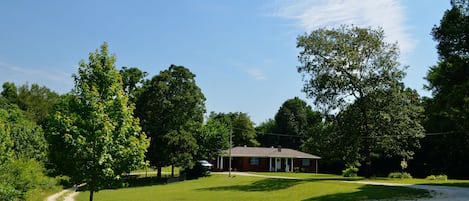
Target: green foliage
{"x": 18, "y": 178}
{"x": 35, "y": 101}
{"x": 171, "y": 107}
{"x": 10, "y": 92}
{"x": 448, "y": 110}
{"x": 350, "y": 171}
{"x": 8, "y": 193}
{"x": 132, "y": 78}
{"x": 441, "y": 177}
{"x": 294, "y": 118}
{"x": 400, "y": 175}
{"x": 241, "y": 125}
{"x": 25, "y": 138}
{"x": 92, "y": 131}
{"x": 196, "y": 171}
{"x": 212, "y": 139}
{"x": 353, "y": 71}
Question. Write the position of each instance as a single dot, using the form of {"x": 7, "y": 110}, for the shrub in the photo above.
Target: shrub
{"x": 400, "y": 175}
{"x": 431, "y": 177}
{"x": 350, "y": 172}
{"x": 63, "y": 180}
{"x": 22, "y": 176}
{"x": 442, "y": 177}
{"x": 8, "y": 193}
{"x": 195, "y": 172}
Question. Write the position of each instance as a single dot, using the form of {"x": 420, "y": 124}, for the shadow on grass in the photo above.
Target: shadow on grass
{"x": 261, "y": 185}
{"x": 132, "y": 181}
{"x": 371, "y": 192}
{"x": 453, "y": 184}
{"x": 334, "y": 179}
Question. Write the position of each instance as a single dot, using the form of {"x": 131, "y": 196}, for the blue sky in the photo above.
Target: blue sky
{"x": 243, "y": 52}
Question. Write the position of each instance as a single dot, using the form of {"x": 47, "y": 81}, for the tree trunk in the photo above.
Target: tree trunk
{"x": 91, "y": 194}
{"x": 158, "y": 174}
{"x": 172, "y": 170}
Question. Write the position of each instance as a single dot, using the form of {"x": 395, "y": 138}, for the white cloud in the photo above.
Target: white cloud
{"x": 256, "y": 74}
{"x": 43, "y": 77}
{"x": 387, "y": 14}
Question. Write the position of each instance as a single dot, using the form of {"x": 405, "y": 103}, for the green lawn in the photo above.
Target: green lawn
{"x": 221, "y": 187}
{"x": 307, "y": 175}
{"x": 449, "y": 182}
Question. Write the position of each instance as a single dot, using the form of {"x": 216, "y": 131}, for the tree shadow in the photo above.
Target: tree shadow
{"x": 372, "y": 192}
{"x": 261, "y": 185}
{"x": 132, "y": 181}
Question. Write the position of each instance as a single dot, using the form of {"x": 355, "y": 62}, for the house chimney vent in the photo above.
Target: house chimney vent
{"x": 279, "y": 148}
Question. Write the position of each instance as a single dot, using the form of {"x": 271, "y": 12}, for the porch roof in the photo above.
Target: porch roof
{"x": 264, "y": 152}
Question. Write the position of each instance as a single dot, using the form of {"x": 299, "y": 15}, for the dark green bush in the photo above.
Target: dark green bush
{"x": 195, "y": 172}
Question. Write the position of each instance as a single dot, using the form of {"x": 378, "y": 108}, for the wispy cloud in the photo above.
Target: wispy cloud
{"x": 256, "y": 74}
{"x": 388, "y": 14}
{"x": 37, "y": 75}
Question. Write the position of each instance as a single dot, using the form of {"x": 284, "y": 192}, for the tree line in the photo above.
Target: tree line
{"x": 364, "y": 117}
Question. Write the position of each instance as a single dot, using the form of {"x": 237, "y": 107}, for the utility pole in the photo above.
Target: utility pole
{"x": 229, "y": 152}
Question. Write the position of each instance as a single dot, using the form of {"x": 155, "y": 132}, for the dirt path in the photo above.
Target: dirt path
{"x": 439, "y": 193}
{"x": 69, "y": 194}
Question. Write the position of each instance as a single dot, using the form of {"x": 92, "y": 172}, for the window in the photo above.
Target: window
{"x": 305, "y": 162}
{"x": 253, "y": 161}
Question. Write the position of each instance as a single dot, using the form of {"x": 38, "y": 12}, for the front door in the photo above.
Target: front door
{"x": 278, "y": 164}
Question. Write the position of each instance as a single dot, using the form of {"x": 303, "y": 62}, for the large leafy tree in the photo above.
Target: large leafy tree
{"x": 212, "y": 139}
{"x": 10, "y": 92}
{"x": 23, "y": 149}
{"x": 294, "y": 118}
{"x": 171, "y": 108}
{"x": 101, "y": 137}
{"x": 352, "y": 69}
{"x": 132, "y": 79}
{"x": 34, "y": 100}
{"x": 447, "y": 111}
{"x": 241, "y": 127}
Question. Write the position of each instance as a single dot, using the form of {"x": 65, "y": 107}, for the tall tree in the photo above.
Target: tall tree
{"x": 132, "y": 78}
{"x": 171, "y": 108}
{"x": 212, "y": 139}
{"x": 352, "y": 68}
{"x": 101, "y": 136}
{"x": 241, "y": 126}
{"x": 294, "y": 118}
{"x": 447, "y": 111}
{"x": 36, "y": 101}
{"x": 10, "y": 92}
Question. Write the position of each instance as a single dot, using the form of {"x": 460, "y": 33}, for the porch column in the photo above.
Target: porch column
{"x": 276, "y": 164}
{"x": 287, "y": 167}
{"x": 221, "y": 163}
{"x": 270, "y": 164}
{"x": 316, "y": 165}
{"x": 292, "y": 165}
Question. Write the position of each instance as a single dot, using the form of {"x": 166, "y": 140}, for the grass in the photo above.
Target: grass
{"x": 449, "y": 182}
{"x": 41, "y": 195}
{"x": 221, "y": 187}
{"x": 307, "y": 175}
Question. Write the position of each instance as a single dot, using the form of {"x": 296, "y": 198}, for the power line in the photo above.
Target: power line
{"x": 383, "y": 136}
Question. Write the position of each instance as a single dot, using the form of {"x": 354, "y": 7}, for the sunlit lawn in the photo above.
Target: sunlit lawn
{"x": 221, "y": 187}
{"x": 449, "y": 182}
{"x": 303, "y": 175}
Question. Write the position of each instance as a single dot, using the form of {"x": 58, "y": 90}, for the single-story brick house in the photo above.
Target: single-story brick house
{"x": 264, "y": 159}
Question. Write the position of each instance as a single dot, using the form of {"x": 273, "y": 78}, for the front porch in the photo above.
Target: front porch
{"x": 267, "y": 164}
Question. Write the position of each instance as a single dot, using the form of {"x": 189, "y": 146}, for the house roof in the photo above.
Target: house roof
{"x": 264, "y": 152}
